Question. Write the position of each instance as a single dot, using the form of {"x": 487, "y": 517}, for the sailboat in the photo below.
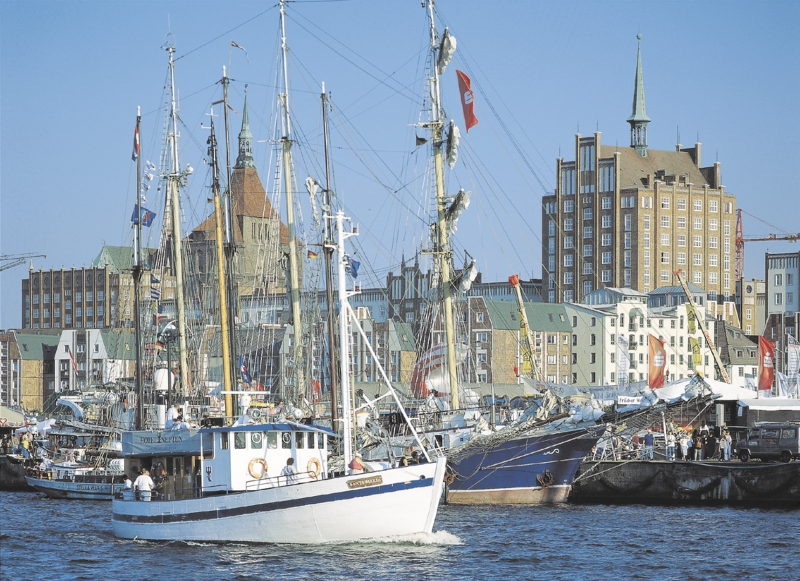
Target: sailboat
{"x": 257, "y": 481}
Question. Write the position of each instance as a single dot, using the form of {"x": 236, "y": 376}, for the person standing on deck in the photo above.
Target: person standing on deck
{"x": 671, "y": 447}
{"x": 144, "y": 485}
{"x": 648, "y": 444}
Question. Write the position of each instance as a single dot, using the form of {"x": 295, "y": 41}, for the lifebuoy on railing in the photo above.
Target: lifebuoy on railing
{"x": 314, "y": 468}
{"x": 257, "y": 468}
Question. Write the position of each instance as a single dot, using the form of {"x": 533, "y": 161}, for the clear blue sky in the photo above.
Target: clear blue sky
{"x": 73, "y": 73}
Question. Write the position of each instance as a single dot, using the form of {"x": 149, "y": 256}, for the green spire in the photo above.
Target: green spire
{"x": 639, "y": 118}
{"x": 245, "y": 158}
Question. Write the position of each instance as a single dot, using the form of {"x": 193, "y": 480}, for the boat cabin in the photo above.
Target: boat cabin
{"x": 190, "y": 463}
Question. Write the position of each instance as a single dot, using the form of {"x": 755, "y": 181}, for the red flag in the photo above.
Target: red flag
{"x": 766, "y": 367}
{"x": 467, "y": 100}
{"x": 658, "y": 362}
{"x": 135, "y": 144}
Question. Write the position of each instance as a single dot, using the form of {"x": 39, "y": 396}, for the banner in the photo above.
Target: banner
{"x": 658, "y": 362}
{"x": 691, "y": 315}
{"x": 793, "y": 363}
{"x": 629, "y": 400}
{"x": 697, "y": 358}
{"x": 623, "y": 362}
{"x": 766, "y": 366}
{"x": 467, "y": 100}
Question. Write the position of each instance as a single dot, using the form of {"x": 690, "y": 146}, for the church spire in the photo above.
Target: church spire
{"x": 245, "y": 158}
{"x": 639, "y": 118}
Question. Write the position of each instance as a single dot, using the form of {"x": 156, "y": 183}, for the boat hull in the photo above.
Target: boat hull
{"x": 660, "y": 482}
{"x": 389, "y": 503}
{"x": 535, "y": 469}
{"x": 12, "y": 473}
{"x": 75, "y": 490}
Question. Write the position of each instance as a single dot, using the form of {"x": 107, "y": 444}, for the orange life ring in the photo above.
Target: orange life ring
{"x": 314, "y": 468}
{"x": 257, "y": 473}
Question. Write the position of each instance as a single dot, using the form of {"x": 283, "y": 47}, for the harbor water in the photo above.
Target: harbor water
{"x": 72, "y": 540}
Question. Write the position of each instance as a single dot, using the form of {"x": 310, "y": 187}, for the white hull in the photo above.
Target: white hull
{"x": 395, "y": 502}
{"x": 76, "y": 490}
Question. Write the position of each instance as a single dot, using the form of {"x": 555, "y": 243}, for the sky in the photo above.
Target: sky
{"x": 72, "y": 75}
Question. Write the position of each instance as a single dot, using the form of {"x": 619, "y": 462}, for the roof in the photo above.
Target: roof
{"x": 677, "y": 289}
{"x": 771, "y": 403}
{"x": 120, "y": 345}
{"x": 249, "y": 199}
{"x": 638, "y": 111}
{"x": 405, "y": 335}
{"x": 119, "y": 258}
{"x": 548, "y": 317}
{"x": 634, "y": 167}
{"x": 35, "y": 344}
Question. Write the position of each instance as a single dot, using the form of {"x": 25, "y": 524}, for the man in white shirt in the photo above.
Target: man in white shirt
{"x": 289, "y": 472}
{"x": 172, "y": 415}
{"x": 144, "y": 485}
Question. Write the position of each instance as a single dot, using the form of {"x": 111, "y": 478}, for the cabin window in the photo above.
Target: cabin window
{"x": 788, "y": 433}
{"x": 272, "y": 440}
{"x": 239, "y": 440}
{"x": 223, "y": 441}
{"x": 311, "y": 440}
{"x": 320, "y": 440}
{"x": 286, "y": 440}
{"x": 299, "y": 440}
{"x": 256, "y": 440}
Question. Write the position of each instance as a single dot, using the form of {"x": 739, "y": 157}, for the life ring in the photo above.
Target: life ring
{"x": 260, "y": 472}
{"x": 254, "y": 413}
{"x": 3, "y": 422}
{"x": 314, "y": 468}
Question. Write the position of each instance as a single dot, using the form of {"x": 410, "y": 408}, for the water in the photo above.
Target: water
{"x": 62, "y": 539}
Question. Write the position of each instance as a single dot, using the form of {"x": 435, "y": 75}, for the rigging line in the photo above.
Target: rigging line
{"x": 412, "y": 97}
{"x": 764, "y": 221}
{"x": 227, "y": 32}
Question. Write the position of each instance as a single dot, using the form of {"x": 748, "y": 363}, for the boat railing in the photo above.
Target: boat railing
{"x": 277, "y": 481}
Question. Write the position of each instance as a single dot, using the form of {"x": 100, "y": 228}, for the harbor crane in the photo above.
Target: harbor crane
{"x": 11, "y": 260}
{"x": 741, "y": 239}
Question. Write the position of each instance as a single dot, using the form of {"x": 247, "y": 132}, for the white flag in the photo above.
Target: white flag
{"x": 623, "y": 362}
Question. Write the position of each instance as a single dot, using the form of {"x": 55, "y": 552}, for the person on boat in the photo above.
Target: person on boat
{"x": 671, "y": 446}
{"x": 144, "y": 485}
{"x": 289, "y": 472}
{"x": 172, "y": 416}
{"x": 6, "y": 444}
{"x": 356, "y": 465}
{"x": 698, "y": 446}
{"x": 648, "y": 444}
{"x": 127, "y": 490}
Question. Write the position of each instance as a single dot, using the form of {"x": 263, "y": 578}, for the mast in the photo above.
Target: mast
{"x": 442, "y": 244}
{"x": 328, "y": 247}
{"x": 223, "y": 295}
{"x": 344, "y": 334}
{"x": 137, "y": 279}
{"x": 294, "y": 284}
{"x": 230, "y": 247}
{"x": 174, "y": 181}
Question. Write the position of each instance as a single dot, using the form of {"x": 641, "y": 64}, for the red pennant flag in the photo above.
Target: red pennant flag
{"x": 658, "y": 362}
{"x": 467, "y": 100}
{"x": 766, "y": 363}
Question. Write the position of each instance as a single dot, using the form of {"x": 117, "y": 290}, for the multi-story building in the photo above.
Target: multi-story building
{"x": 631, "y": 216}
{"x": 9, "y": 369}
{"x": 782, "y": 313}
{"x": 606, "y": 315}
{"x": 37, "y": 349}
{"x": 751, "y": 303}
{"x": 93, "y": 357}
{"x": 739, "y": 355}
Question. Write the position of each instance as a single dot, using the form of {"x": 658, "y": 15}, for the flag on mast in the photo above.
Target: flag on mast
{"x": 467, "y": 100}
{"x": 766, "y": 364}
{"x": 135, "y": 155}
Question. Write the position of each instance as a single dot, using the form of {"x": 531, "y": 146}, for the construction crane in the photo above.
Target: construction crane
{"x": 722, "y": 371}
{"x": 741, "y": 239}
{"x": 11, "y": 260}
{"x": 526, "y": 328}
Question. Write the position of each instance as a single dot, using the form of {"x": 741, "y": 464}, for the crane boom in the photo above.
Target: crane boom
{"x": 526, "y": 328}
{"x": 12, "y": 260}
{"x": 741, "y": 239}
{"x": 722, "y": 371}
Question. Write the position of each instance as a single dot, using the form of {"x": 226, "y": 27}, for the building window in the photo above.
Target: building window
{"x": 665, "y": 258}
{"x": 646, "y": 258}
{"x": 778, "y": 279}
{"x": 606, "y": 240}
{"x": 665, "y": 221}
{"x": 606, "y": 221}
{"x": 626, "y": 258}
{"x": 646, "y": 221}
{"x": 665, "y": 240}
{"x": 568, "y": 259}
{"x": 713, "y": 206}
{"x": 647, "y": 278}
{"x": 778, "y": 299}
{"x": 726, "y": 228}
{"x": 551, "y": 263}
{"x": 627, "y": 202}
{"x": 789, "y": 298}
{"x": 665, "y": 203}
{"x": 628, "y": 221}
{"x": 712, "y": 224}
{"x": 568, "y": 277}
{"x": 697, "y": 241}
{"x": 627, "y": 240}
{"x": 587, "y": 249}
{"x": 551, "y": 228}
{"x": 681, "y": 239}
{"x": 587, "y": 231}
{"x": 568, "y": 224}
{"x": 550, "y": 208}
{"x": 681, "y": 222}
{"x": 568, "y": 296}
{"x": 664, "y": 276}
{"x": 606, "y": 275}
{"x": 697, "y": 259}
{"x": 567, "y": 182}
{"x": 606, "y": 259}
{"x": 568, "y": 242}
{"x": 698, "y": 277}
{"x": 698, "y": 205}
{"x": 606, "y": 203}
{"x": 698, "y": 223}
{"x": 626, "y": 277}
{"x": 587, "y": 213}
{"x": 712, "y": 260}
{"x": 713, "y": 278}
{"x": 551, "y": 246}
{"x": 726, "y": 247}
{"x": 587, "y": 284}
{"x": 646, "y": 240}
{"x": 681, "y": 203}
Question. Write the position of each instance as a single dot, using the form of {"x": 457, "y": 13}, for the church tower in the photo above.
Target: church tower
{"x": 639, "y": 118}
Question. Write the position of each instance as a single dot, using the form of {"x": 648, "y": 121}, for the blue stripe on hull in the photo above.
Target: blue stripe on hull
{"x": 517, "y": 463}
{"x": 218, "y": 513}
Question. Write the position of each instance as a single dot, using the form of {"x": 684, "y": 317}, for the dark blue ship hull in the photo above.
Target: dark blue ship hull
{"x": 536, "y": 469}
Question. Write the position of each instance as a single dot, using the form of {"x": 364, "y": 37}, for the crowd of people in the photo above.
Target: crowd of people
{"x": 702, "y": 443}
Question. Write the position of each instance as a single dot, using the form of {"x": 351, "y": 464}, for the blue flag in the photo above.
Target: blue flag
{"x": 154, "y": 280}
{"x": 353, "y": 264}
{"x": 146, "y": 215}
{"x": 246, "y": 378}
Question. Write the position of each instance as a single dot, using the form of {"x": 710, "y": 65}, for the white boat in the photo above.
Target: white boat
{"x": 77, "y": 481}
{"x": 257, "y": 481}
